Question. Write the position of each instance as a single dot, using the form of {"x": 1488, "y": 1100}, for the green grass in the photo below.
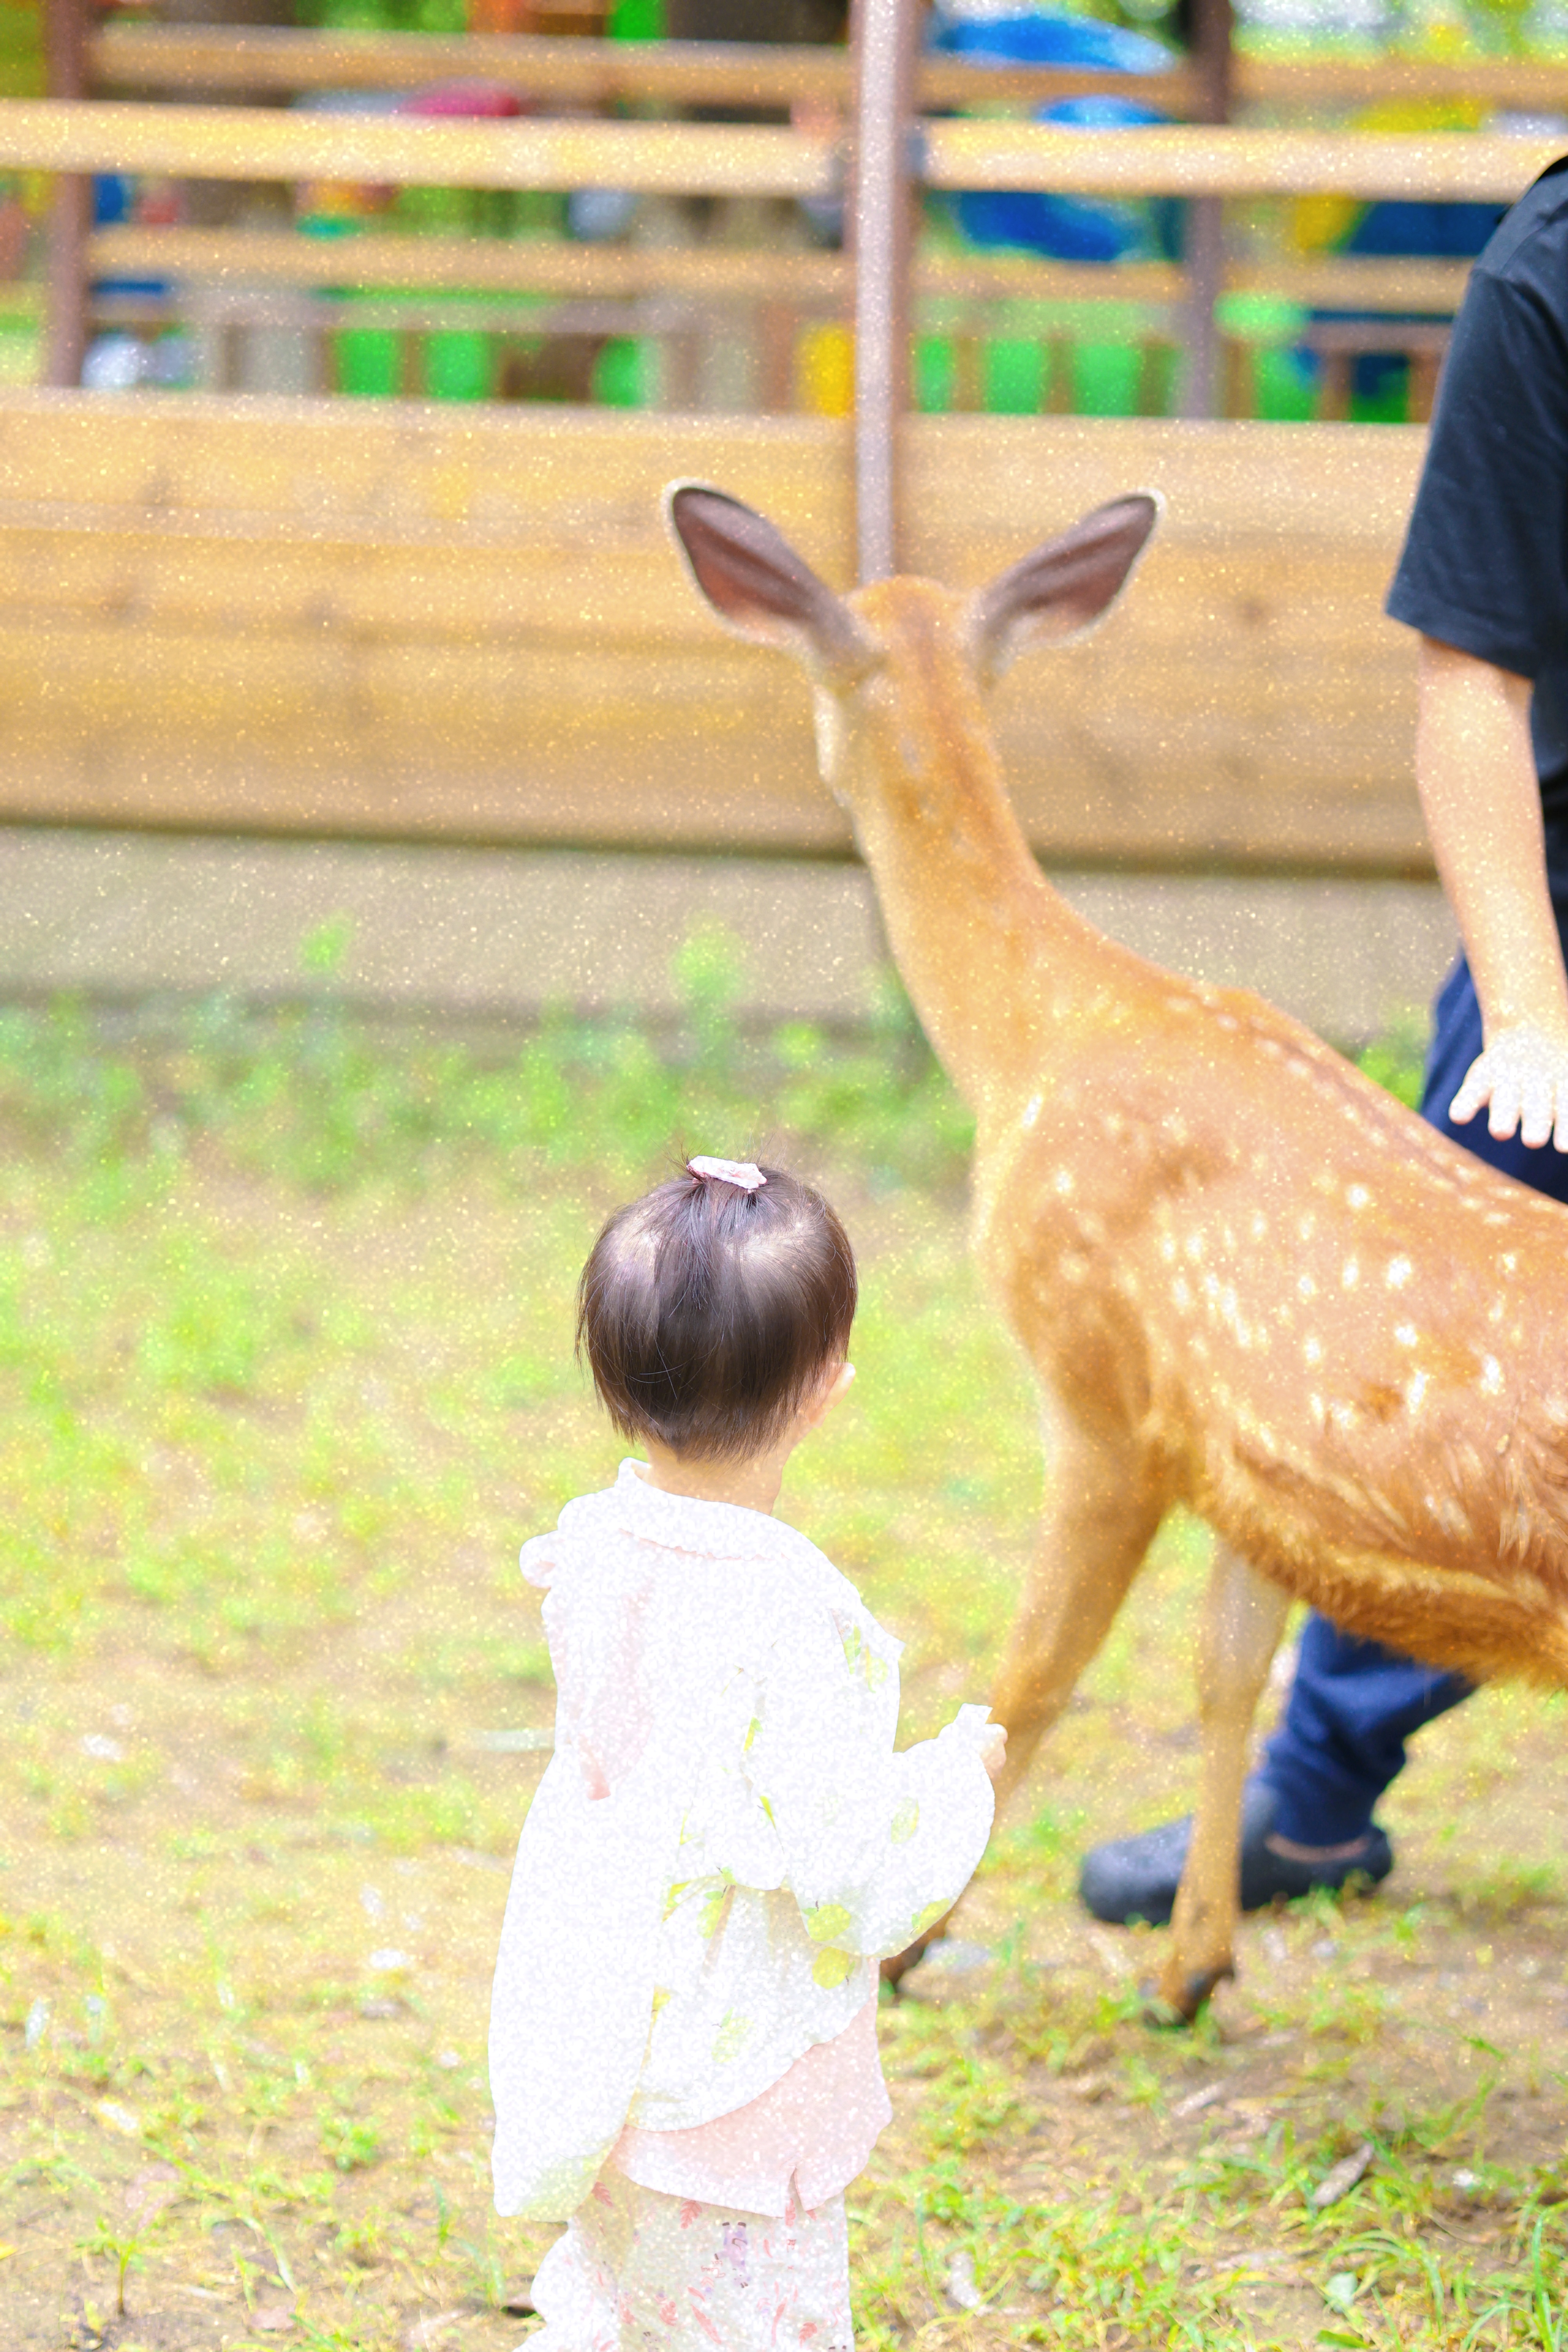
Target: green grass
{"x": 285, "y": 1377}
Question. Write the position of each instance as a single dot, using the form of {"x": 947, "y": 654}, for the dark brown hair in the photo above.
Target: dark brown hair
{"x": 707, "y": 1313}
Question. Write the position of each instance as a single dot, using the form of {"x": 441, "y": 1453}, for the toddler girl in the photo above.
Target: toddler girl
{"x": 683, "y": 2050}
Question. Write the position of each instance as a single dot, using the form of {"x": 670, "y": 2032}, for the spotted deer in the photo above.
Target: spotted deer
{"x": 1250, "y": 1281}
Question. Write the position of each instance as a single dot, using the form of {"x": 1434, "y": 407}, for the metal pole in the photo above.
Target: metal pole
{"x": 70, "y": 204}
{"x": 886, "y": 37}
{"x": 1211, "y": 49}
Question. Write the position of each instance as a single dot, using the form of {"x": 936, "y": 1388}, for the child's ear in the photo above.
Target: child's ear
{"x": 827, "y": 1396}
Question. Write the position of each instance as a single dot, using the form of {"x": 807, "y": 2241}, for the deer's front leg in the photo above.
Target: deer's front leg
{"x": 1100, "y": 1516}
{"x": 1242, "y": 1618}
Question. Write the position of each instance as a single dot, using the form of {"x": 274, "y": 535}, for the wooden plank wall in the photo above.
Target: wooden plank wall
{"x": 405, "y": 621}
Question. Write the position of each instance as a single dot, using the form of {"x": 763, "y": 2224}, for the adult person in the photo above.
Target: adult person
{"x": 1484, "y": 579}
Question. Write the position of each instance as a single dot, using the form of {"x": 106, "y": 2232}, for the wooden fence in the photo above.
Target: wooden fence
{"x": 388, "y": 619}
{"x": 402, "y": 619}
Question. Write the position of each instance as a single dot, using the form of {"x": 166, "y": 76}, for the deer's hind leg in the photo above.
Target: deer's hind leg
{"x": 1244, "y": 1615}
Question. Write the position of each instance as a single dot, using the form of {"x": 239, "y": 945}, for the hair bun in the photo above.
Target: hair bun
{"x": 743, "y": 1173}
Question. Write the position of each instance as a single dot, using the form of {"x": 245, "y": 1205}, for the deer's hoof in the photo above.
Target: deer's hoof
{"x": 897, "y": 1965}
{"x": 1172, "y": 2005}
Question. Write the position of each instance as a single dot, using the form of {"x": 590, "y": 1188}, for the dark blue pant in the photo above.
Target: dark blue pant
{"x": 1354, "y": 1704}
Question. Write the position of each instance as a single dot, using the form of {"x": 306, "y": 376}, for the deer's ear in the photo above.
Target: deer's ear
{"x": 1065, "y": 587}
{"x": 758, "y": 584}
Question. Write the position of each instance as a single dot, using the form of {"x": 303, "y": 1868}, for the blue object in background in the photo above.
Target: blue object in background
{"x": 1066, "y": 229}
{"x": 1399, "y": 230}
{"x": 1039, "y": 38}
{"x": 1446, "y": 232}
{"x": 113, "y": 201}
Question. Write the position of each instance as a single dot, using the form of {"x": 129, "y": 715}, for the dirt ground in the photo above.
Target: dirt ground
{"x": 257, "y": 2040}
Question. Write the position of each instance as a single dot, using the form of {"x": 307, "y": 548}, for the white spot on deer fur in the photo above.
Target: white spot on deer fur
{"x": 1350, "y": 1273}
{"x": 1306, "y": 1287}
{"x": 1258, "y": 1224}
{"x": 1062, "y": 1182}
{"x": 1496, "y": 1310}
{"x": 1168, "y": 1249}
{"x": 1343, "y": 1416}
{"x": 1228, "y": 1021}
{"x": 1357, "y": 1195}
{"x": 1508, "y": 1262}
{"x": 1398, "y": 1272}
{"x": 1491, "y": 1377}
{"x": 1306, "y": 1227}
{"x": 1312, "y": 1348}
{"x": 1032, "y": 1111}
{"x": 1406, "y": 1334}
{"x": 1497, "y": 1217}
{"x": 1316, "y": 1408}
{"x": 1194, "y": 1247}
{"x": 1181, "y": 1293}
{"x": 1416, "y": 1389}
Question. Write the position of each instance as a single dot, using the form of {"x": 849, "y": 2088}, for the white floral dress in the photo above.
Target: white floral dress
{"x": 724, "y": 1842}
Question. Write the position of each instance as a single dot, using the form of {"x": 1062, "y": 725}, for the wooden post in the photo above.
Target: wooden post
{"x": 1211, "y": 45}
{"x": 886, "y": 34}
{"x": 71, "y": 204}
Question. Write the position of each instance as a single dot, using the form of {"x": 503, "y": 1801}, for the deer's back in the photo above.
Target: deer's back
{"x": 1344, "y": 1339}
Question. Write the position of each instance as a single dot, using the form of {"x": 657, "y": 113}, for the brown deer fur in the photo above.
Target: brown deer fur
{"x": 1251, "y": 1281}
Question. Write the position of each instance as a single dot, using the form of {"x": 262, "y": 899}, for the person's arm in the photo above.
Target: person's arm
{"x": 1475, "y": 772}
{"x": 877, "y": 1842}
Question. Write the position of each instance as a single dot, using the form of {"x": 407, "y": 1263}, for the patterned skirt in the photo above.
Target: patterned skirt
{"x": 640, "y": 2271}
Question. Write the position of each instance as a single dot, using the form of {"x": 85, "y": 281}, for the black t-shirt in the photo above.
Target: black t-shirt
{"x": 1485, "y": 565}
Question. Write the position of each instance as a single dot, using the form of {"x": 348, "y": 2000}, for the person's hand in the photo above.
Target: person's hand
{"x": 1523, "y": 1074}
{"x": 991, "y": 1748}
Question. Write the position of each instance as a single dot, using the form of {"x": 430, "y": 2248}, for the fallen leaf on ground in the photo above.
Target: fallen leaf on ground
{"x": 962, "y": 2291}
{"x": 1343, "y": 2177}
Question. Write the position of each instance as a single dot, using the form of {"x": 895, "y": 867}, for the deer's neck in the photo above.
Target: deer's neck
{"x": 998, "y": 966}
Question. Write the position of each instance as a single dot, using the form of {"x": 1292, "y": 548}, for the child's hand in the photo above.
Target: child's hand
{"x": 992, "y": 1747}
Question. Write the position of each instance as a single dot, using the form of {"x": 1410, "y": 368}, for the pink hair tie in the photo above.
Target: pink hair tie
{"x": 740, "y": 1172}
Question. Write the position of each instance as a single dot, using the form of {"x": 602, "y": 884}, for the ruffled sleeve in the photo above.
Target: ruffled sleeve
{"x": 877, "y": 1844}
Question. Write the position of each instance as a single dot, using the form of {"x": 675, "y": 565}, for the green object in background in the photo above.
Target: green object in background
{"x": 1105, "y": 379}
{"x": 1389, "y": 404}
{"x": 1013, "y": 376}
{"x": 1284, "y": 383}
{"x": 369, "y": 363}
{"x": 636, "y": 20}
{"x": 624, "y": 373}
{"x": 459, "y": 365}
{"x": 1284, "y": 387}
{"x": 933, "y": 372}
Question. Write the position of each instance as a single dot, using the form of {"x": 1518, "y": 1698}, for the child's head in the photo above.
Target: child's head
{"x": 713, "y": 1308}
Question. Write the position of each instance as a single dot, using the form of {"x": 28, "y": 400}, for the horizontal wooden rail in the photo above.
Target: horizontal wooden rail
{"x": 585, "y": 72}
{"x": 233, "y": 142}
{"x": 536, "y": 266}
{"x": 259, "y": 143}
{"x": 1530, "y": 83}
{"x": 474, "y": 265}
{"x": 1176, "y": 161}
{"x": 590, "y": 72}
